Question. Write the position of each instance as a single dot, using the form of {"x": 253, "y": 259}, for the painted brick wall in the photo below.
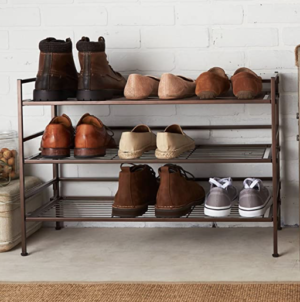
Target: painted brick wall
{"x": 151, "y": 37}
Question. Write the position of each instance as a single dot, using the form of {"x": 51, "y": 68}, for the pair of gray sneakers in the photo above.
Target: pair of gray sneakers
{"x": 254, "y": 199}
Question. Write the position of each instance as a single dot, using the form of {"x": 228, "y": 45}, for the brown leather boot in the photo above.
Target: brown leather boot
{"x": 177, "y": 193}
{"x": 212, "y": 83}
{"x": 246, "y": 84}
{"x": 137, "y": 189}
{"x": 97, "y": 80}
{"x": 92, "y": 138}
{"x": 58, "y": 138}
{"x": 57, "y": 78}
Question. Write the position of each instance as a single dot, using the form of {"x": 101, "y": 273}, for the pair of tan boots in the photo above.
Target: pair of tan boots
{"x": 167, "y": 145}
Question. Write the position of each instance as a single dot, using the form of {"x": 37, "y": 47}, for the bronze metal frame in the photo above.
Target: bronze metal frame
{"x": 56, "y": 203}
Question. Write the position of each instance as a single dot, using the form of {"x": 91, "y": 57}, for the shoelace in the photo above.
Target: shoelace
{"x": 109, "y": 130}
{"x": 182, "y": 171}
{"x": 221, "y": 182}
{"x": 251, "y": 183}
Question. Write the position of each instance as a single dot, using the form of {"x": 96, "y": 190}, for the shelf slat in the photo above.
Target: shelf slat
{"x": 201, "y": 154}
{"x": 101, "y": 210}
{"x": 263, "y": 98}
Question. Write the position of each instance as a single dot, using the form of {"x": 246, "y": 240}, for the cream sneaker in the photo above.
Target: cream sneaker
{"x": 175, "y": 87}
{"x": 173, "y": 142}
{"x": 133, "y": 144}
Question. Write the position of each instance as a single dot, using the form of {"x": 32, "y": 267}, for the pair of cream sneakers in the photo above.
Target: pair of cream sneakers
{"x": 170, "y": 143}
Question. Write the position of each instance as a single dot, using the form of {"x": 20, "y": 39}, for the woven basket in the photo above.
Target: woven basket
{"x": 10, "y": 216}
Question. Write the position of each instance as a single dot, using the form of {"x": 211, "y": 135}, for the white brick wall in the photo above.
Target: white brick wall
{"x": 154, "y": 36}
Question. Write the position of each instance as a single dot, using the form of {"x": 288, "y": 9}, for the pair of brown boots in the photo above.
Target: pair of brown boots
{"x": 91, "y": 138}
{"x": 246, "y": 84}
{"x": 57, "y": 77}
{"x": 174, "y": 193}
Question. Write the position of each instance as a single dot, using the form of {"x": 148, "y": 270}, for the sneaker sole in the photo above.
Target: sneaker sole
{"x": 254, "y": 212}
{"x": 216, "y": 212}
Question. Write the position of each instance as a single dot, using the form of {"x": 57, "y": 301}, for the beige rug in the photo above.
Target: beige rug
{"x": 153, "y": 292}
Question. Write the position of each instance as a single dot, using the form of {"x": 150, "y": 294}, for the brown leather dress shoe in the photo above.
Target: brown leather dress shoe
{"x": 246, "y": 84}
{"x": 97, "y": 80}
{"x": 57, "y": 78}
{"x": 58, "y": 138}
{"x": 212, "y": 83}
{"x": 92, "y": 138}
{"x": 177, "y": 193}
{"x": 137, "y": 189}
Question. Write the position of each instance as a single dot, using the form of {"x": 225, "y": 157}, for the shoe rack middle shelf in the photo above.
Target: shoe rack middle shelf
{"x": 260, "y": 153}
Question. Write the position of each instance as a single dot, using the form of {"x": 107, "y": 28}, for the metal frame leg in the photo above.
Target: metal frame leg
{"x": 59, "y": 224}
{"x": 21, "y": 161}
{"x": 275, "y": 129}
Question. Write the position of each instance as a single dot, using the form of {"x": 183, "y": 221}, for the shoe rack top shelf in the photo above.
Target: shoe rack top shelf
{"x": 100, "y": 209}
{"x": 264, "y": 98}
{"x": 201, "y": 154}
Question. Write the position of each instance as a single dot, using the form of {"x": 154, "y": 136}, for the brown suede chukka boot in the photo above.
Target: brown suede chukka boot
{"x": 92, "y": 138}
{"x": 246, "y": 84}
{"x": 57, "y": 78}
{"x": 97, "y": 80}
{"x": 212, "y": 83}
{"x": 58, "y": 138}
{"x": 177, "y": 193}
{"x": 137, "y": 189}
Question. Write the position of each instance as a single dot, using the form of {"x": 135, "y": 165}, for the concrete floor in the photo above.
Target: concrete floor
{"x": 154, "y": 254}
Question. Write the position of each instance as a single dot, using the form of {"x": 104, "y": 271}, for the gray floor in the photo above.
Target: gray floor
{"x": 154, "y": 254}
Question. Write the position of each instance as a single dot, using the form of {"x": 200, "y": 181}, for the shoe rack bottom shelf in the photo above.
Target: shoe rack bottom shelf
{"x": 100, "y": 209}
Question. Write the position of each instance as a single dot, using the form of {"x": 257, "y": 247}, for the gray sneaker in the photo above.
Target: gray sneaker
{"x": 254, "y": 199}
{"x": 220, "y": 198}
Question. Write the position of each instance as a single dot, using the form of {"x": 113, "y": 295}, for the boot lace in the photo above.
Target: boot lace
{"x": 183, "y": 172}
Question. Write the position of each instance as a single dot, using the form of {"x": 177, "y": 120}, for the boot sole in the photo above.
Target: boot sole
{"x": 176, "y": 213}
{"x": 55, "y": 152}
{"x": 98, "y": 95}
{"x": 130, "y": 212}
{"x": 53, "y": 95}
{"x": 89, "y": 152}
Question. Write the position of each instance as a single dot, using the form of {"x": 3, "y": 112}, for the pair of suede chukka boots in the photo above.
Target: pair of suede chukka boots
{"x": 174, "y": 193}
{"x": 57, "y": 77}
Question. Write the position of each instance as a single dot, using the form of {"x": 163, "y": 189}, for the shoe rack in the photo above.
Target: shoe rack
{"x": 62, "y": 208}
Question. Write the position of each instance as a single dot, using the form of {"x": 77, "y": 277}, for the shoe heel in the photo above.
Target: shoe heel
{"x": 48, "y": 95}
{"x": 207, "y": 95}
{"x": 55, "y": 152}
{"x": 129, "y": 213}
{"x": 89, "y": 152}
{"x": 245, "y": 95}
{"x": 95, "y": 95}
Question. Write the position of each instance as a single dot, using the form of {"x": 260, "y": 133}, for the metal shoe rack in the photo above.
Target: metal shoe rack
{"x": 94, "y": 208}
